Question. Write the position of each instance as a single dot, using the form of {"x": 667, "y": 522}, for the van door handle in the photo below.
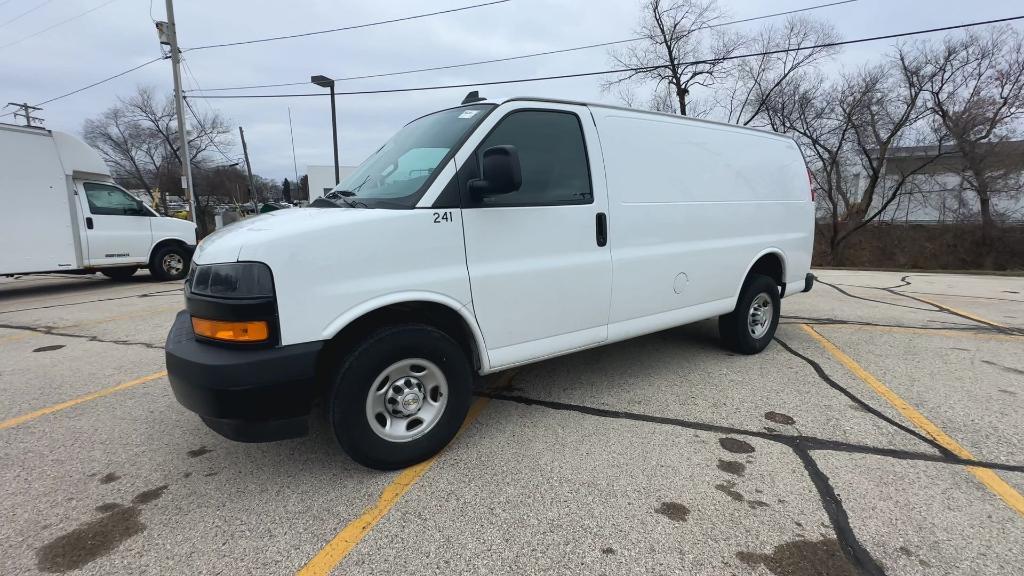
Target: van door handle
{"x": 602, "y": 229}
{"x": 88, "y": 222}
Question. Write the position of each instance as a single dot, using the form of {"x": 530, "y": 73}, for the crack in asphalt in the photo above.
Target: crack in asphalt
{"x": 989, "y": 326}
{"x": 992, "y": 325}
{"x": 143, "y": 295}
{"x": 833, "y": 505}
{"x": 810, "y": 443}
{"x": 967, "y": 329}
{"x": 866, "y": 299}
{"x": 801, "y": 445}
{"x": 54, "y": 331}
{"x": 961, "y": 296}
{"x": 832, "y": 383}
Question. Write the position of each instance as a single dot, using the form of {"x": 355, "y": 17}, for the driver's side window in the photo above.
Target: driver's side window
{"x": 552, "y": 154}
{"x": 107, "y": 200}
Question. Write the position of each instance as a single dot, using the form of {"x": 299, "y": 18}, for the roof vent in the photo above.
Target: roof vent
{"x": 473, "y": 97}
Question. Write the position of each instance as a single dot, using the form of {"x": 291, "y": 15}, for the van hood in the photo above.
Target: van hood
{"x": 294, "y": 228}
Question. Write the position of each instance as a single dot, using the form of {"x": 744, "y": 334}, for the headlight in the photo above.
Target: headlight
{"x": 234, "y": 280}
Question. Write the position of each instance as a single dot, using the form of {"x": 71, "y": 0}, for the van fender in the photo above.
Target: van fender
{"x": 152, "y": 249}
{"x": 464, "y": 310}
{"x": 750, "y": 265}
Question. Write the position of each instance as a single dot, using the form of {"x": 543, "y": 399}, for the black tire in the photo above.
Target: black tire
{"x": 169, "y": 263}
{"x": 121, "y": 274}
{"x": 352, "y": 380}
{"x": 734, "y": 328}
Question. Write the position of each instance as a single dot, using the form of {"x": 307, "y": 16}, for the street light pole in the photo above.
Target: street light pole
{"x": 325, "y": 82}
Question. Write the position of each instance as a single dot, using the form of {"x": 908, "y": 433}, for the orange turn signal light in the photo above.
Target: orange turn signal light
{"x": 253, "y": 331}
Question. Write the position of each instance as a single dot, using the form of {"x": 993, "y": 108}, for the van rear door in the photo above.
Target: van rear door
{"x": 539, "y": 270}
{"x": 117, "y": 225}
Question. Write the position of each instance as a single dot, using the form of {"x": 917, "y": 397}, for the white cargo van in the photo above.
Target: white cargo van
{"x": 479, "y": 238}
{"x": 60, "y": 211}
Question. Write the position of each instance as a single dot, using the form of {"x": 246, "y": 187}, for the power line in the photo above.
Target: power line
{"x": 61, "y": 23}
{"x": 622, "y": 70}
{"x": 188, "y": 71}
{"x": 97, "y": 83}
{"x": 133, "y": 69}
{"x": 532, "y": 55}
{"x": 26, "y": 13}
{"x": 344, "y": 28}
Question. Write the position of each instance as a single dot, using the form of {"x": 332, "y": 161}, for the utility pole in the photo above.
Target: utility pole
{"x": 168, "y": 33}
{"x": 295, "y": 165}
{"x": 26, "y": 112}
{"x": 253, "y": 194}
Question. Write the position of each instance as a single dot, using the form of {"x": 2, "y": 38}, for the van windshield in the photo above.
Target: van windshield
{"x": 397, "y": 175}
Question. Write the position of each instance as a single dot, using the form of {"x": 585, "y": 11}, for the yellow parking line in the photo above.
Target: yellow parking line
{"x": 22, "y": 336}
{"x": 339, "y": 547}
{"x": 928, "y": 331}
{"x": 974, "y": 317}
{"x": 990, "y": 479}
{"x": 76, "y": 401}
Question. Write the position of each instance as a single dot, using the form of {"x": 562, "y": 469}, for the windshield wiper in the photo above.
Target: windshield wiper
{"x": 344, "y": 196}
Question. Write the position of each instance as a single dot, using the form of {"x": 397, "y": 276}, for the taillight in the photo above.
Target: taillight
{"x": 810, "y": 183}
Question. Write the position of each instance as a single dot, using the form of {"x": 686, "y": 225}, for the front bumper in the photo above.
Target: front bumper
{"x": 244, "y": 394}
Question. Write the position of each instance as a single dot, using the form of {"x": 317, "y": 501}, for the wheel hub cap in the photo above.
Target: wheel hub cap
{"x": 759, "y": 317}
{"x": 173, "y": 264}
{"x": 406, "y": 400}
{"x": 404, "y": 397}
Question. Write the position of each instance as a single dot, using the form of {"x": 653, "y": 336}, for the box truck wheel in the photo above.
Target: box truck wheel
{"x": 170, "y": 262}
{"x": 400, "y": 396}
{"x": 751, "y": 326}
{"x": 122, "y": 273}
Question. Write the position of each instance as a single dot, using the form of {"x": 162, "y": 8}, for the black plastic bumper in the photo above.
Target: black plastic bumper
{"x": 808, "y": 282}
{"x": 248, "y": 395}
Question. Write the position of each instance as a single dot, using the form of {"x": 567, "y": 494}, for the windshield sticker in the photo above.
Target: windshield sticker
{"x": 468, "y": 114}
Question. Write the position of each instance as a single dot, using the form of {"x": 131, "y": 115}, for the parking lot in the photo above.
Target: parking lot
{"x": 883, "y": 433}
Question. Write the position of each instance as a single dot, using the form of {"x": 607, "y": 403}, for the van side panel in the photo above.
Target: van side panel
{"x": 692, "y": 204}
{"x": 36, "y": 212}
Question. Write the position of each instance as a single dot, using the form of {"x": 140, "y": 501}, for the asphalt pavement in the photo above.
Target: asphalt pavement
{"x": 882, "y": 433}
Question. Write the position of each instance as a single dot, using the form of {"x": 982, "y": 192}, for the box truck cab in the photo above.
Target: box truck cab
{"x": 480, "y": 238}
{"x": 62, "y": 212}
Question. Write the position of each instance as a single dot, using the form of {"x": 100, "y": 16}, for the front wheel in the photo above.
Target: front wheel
{"x": 169, "y": 263}
{"x": 751, "y": 326}
{"x": 400, "y": 397}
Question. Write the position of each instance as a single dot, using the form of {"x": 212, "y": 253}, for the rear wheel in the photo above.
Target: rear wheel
{"x": 400, "y": 396}
{"x": 169, "y": 263}
{"x": 123, "y": 273}
{"x": 751, "y": 326}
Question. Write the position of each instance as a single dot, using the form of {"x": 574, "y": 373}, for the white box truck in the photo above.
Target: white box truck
{"x": 482, "y": 237}
{"x": 60, "y": 211}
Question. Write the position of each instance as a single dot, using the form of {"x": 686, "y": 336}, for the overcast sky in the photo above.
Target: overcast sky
{"x": 120, "y": 35}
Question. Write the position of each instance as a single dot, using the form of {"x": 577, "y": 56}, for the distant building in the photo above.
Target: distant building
{"x": 321, "y": 179}
{"x": 938, "y": 194}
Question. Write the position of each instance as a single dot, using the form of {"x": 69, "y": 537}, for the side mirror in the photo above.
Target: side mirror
{"x": 499, "y": 173}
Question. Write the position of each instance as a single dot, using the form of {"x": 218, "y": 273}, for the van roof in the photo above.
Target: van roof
{"x": 759, "y": 131}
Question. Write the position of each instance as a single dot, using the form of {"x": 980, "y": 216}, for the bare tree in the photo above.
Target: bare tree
{"x": 133, "y": 156}
{"x": 782, "y": 52}
{"x": 682, "y": 47}
{"x": 977, "y": 96}
{"x": 852, "y": 132}
{"x": 138, "y": 137}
